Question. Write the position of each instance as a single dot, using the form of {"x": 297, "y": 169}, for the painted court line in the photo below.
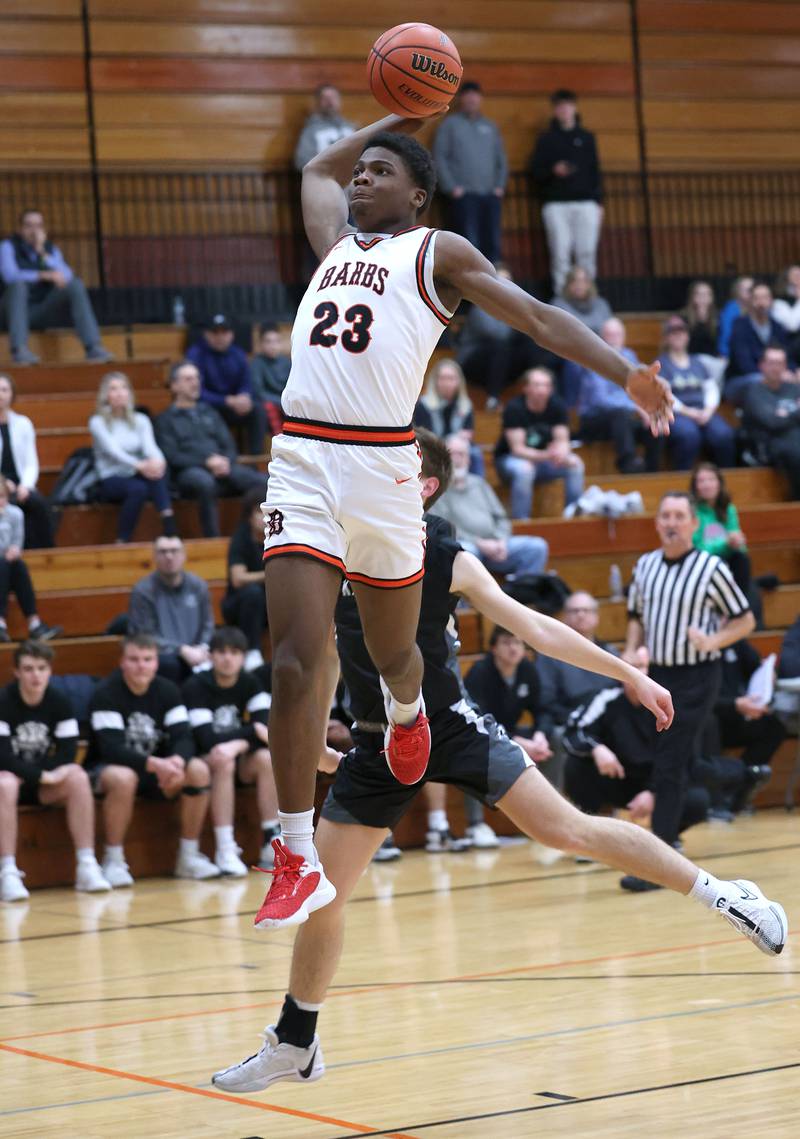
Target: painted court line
{"x": 81, "y": 1102}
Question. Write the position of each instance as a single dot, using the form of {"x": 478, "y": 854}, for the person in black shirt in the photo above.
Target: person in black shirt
{"x": 38, "y": 739}
{"x": 471, "y": 752}
{"x": 245, "y": 604}
{"x": 141, "y": 743}
{"x": 535, "y": 444}
{"x": 228, "y": 712}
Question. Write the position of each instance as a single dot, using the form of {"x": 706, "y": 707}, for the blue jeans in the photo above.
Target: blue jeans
{"x": 521, "y": 475}
{"x": 687, "y": 437}
{"x": 525, "y": 555}
{"x": 477, "y": 217}
{"x": 133, "y": 493}
{"x": 54, "y": 308}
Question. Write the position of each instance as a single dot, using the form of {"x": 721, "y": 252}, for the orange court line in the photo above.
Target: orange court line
{"x": 169, "y": 1085}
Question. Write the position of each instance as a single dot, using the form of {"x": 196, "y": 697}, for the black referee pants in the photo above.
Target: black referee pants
{"x": 694, "y": 689}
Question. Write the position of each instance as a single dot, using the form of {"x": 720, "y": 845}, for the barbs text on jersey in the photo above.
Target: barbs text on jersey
{"x": 364, "y": 273}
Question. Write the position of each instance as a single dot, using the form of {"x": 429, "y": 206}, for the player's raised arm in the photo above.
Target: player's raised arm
{"x": 467, "y": 273}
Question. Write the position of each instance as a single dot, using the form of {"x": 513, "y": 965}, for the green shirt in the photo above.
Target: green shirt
{"x": 711, "y": 535}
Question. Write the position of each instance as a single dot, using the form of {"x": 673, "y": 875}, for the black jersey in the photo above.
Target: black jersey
{"x": 127, "y": 729}
{"x": 35, "y": 737}
{"x": 440, "y": 686}
{"x": 218, "y": 714}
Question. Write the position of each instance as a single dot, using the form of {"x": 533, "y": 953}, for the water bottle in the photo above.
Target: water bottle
{"x": 178, "y": 312}
{"x": 615, "y": 584}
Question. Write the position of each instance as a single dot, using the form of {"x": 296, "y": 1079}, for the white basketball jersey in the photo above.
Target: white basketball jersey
{"x": 365, "y": 331}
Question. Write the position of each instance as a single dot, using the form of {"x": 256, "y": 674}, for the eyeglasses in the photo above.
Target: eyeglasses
{"x": 583, "y": 609}
{"x": 168, "y": 553}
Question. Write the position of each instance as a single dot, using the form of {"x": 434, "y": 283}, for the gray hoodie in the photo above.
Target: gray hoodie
{"x": 470, "y": 153}
{"x": 319, "y": 132}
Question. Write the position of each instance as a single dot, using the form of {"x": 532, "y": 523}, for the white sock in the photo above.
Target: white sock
{"x": 437, "y": 820}
{"x": 270, "y": 824}
{"x": 297, "y": 833}
{"x": 85, "y": 854}
{"x": 224, "y": 837}
{"x": 115, "y": 854}
{"x": 397, "y": 713}
{"x": 190, "y": 846}
{"x": 707, "y": 889}
{"x": 305, "y": 1006}
{"x": 8, "y": 862}
{"x": 34, "y": 622}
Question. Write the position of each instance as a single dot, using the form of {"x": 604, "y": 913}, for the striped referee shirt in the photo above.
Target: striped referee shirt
{"x": 668, "y": 595}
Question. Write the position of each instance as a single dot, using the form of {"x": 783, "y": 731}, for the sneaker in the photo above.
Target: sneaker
{"x": 637, "y": 885}
{"x": 481, "y": 836}
{"x": 266, "y": 859}
{"x": 89, "y": 878}
{"x": 195, "y": 866}
{"x": 98, "y": 354}
{"x": 297, "y": 890}
{"x": 24, "y": 356}
{"x": 441, "y": 842}
{"x": 11, "y": 888}
{"x": 408, "y": 750}
{"x": 274, "y": 1061}
{"x": 117, "y": 873}
{"x": 388, "y": 851}
{"x": 42, "y": 632}
{"x": 761, "y": 921}
{"x": 228, "y": 860}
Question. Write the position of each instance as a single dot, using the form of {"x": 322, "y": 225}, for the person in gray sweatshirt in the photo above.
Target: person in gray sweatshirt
{"x": 14, "y": 575}
{"x": 579, "y": 297}
{"x": 323, "y": 127}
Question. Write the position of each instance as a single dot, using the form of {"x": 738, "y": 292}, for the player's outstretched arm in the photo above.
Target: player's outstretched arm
{"x": 551, "y": 637}
{"x": 325, "y": 177}
{"x": 464, "y": 270}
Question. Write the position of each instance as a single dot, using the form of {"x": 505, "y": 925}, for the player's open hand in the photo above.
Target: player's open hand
{"x": 656, "y": 699}
{"x": 653, "y": 395}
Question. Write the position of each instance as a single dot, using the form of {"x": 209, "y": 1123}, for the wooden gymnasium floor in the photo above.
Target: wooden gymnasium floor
{"x": 487, "y": 994}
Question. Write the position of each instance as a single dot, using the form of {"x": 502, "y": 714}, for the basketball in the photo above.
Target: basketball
{"x": 414, "y": 70}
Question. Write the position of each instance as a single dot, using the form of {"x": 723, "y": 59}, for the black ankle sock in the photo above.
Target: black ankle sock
{"x": 296, "y": 1026}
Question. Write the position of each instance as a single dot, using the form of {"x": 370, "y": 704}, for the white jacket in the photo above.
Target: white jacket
{"x": 23, "y": 448}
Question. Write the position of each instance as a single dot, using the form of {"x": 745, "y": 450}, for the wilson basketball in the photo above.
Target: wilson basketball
{"x": 414, "y": 70}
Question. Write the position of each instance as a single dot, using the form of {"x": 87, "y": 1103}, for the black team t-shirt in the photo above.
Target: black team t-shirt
{"x": 36, "y": 737}
{"x": 218, "y": 714}
{"x": 126, "y": 729}
{"x": 538, "y": 425}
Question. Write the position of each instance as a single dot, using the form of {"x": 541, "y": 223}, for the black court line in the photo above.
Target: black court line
{"x": 556, "y": 1095}
{"x": 572, "y": 1102}
{"x": 596, "y": 871}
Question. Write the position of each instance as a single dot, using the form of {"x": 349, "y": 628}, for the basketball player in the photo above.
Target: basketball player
{"x": 343, "y": 494}
{"x": 473, "y": 753}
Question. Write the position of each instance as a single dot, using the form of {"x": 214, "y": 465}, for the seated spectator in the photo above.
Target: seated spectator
{"x": 580, "y": 298}
{"x": 446, "y": 409}
{"x": 481, "y": 523}
{"x": 772, "y": 416}
{"x": 535, "y": 444}
{"x": 244, "y": 604}
{"x": 14, "y": 575}
{"x": 789, "y": 660}
{"x": 19, "y": 464}
{"x": 38, "y": 742}
{"x": 225, "y": 381}
{"x": 173, "y": 608}
{"x": 323, "y": 127}
{"x": 228, "y": 713}
{"x": 607, "y": 411}
{"x": 741, "y": 292}
{"x": 41, "y": 291}
{"x": 696, "y": 401}
{"x": 199, "y": 449}
{"x": 752, "y": 333}
{"x": 702, "y": 319}
{"x": 786, "y": 306}
{"x": 718, "y": 529}
{"x": 141, "y": 744}
{"x": 269, "y": 372}
{"x": 129, "y": 463}
{"x": 439, "y": 838}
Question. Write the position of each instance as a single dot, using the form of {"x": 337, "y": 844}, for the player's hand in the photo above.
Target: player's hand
{"x": 653, "y": 395}
{"x": 752, "y": 709}
{"x": 329, "y": 760}
{"x": 641, "y": 805}
{"x": 12, "y": 553}
{"x": 607, "y": 763}
{"x": 655, "y": 698}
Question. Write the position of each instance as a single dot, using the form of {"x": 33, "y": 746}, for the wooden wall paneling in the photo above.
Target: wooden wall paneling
{"x": 751, "y": 81}
{"x": 720, "y": 48}
{"x": 42, "y": 73}
{"x": 719, "y": 16}
{"x": 39, "y": 8}
{"x": 35, "y": 108}
{"x": 722, "y": 114}
{"x": 38, "y": 145}
{"x": 40, "y": 37}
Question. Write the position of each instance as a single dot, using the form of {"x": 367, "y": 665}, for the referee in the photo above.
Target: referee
{"x": 684, "y": 605}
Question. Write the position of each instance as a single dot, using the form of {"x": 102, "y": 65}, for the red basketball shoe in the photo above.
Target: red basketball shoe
{"x": 408, "y": 750}
{"x": 297, "y": 890}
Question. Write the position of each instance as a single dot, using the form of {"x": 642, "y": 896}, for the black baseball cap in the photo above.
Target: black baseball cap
{"x": 217, "y": 321}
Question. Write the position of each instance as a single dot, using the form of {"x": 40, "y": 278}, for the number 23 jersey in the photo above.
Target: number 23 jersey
{"x": 365, "y": 331}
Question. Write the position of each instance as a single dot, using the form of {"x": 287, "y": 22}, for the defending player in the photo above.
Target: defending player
{"x": 343, "y": 490}
{"x": 471, "y": 752}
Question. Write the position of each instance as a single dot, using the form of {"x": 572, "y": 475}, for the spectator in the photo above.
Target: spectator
{"x": 19, "y": 464}
{"x": 199, "y": 449}
{"x": 789, "y": 662}
{"x": 481, "y": 524}
{"x": 269, "y": 371}
{"x": 718, "y": 529}
{"x": 696, "y": 401}
{"x": 473, "y": 170}
{"x": 580, "y": 298}
{"x": 702, "y": 319}
{"x": 41, "y": 291}
{"x": 607, "y": 412}
{"x": 244, "y": 604}
{"x": 535, "y": 444}
{"x": 446, "y": 409}
{"x": 228, "y": 713}
{"x": 772, "y": 416}
{"x": 129, "y": 462}
{"x": 225, "y": 381}
{"x": 504, "y": 684}
{"x": 786, "y": 307}
{"x": 323, "y": 127}
{"x": 566, "y": 170}
{"x": 741, "y": 292}
{"x": 141, "y": 744}
{"x": 751, "y": 334}
{"x": 38, "y": 742}
{"x": 173, "y": 608}
{"x": 14, "y": 575}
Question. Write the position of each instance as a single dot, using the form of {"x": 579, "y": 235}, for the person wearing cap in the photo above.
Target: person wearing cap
{"x": 473, "y": 170}
{"x": 226, "y": 383}
{"x": 566, "y": 170}
{"x": 697, "y": 397}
